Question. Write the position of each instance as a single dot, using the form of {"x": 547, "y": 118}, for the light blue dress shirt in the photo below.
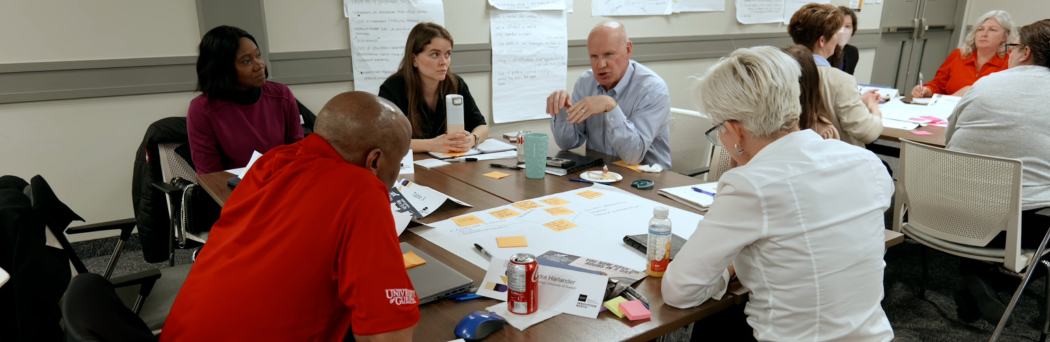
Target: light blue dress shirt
{"x": 637, "y": 130}
{"x": 821, "y": 61}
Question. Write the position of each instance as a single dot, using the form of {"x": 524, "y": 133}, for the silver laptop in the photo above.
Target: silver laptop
{"x": 434, "y": 280}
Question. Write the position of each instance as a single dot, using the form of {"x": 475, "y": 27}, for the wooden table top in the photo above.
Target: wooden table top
{"x": 439, "y": 318}
{"x": 936, "y": 139}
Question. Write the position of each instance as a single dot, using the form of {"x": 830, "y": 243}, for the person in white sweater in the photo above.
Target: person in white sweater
{"x": 791, "y": 221}
{"x": 1005, "y": 114}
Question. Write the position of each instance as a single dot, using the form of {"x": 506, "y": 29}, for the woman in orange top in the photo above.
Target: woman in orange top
{"x": 984, "y": 52}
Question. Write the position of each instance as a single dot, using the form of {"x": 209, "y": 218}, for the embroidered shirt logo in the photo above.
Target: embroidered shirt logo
{"x": 401, "y": 296}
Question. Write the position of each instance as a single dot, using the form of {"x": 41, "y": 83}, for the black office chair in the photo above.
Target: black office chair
{"x": 92, "y": 312}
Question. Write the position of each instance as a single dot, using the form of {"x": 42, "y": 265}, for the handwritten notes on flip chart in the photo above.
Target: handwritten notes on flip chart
{"x": 529, "y": 61}
{"x": 769, "y": 11}
{"x": 680, "y": 6}
{"x": 630, "y": 7}
{"x": 526, "y": 205}
{"x": 560, "y": 225}
{"x": 528, "y": 5}
{"x": 378, "y": 31}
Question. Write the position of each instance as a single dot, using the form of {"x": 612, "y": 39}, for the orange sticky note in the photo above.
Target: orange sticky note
{"x": 496, "y": 175}
{"x": 455, "y": 154}
{"x": 560, "y": 225}
{"x": 464, "y": 221}
{"x": 526, "y": 205}
{"x": 558, "y": 211}
{"x": 590, "y": 194}
{"x": 554, "y": 201}
{"x": 412, "y": 260}
{"x": 511, "y": 242}
{"x": 504, "y": 278}
{"x": 634, "y": 167}
{"x": 505, "y": 213}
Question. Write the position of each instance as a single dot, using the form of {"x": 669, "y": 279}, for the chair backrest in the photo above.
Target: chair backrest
{"x": 92, "y": 311}
{"x": 719, "y": 163}
{"x": 173, "y": 165}
{"x": 689, "y": 147}
{"x": 960, "y": 197}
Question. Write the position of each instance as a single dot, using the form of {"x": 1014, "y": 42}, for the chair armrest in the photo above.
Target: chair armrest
{"x": 125, "y": 226}
{"x": 145, "y": 278}
{"x": 165, "y": 187}
{"x": 694, "y": 173}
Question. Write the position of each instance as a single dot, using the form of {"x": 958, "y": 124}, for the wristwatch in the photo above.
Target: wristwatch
{"x": 476, "y": 142}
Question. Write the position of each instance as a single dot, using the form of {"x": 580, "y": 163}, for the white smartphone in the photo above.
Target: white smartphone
{"x": 454, "y": 113}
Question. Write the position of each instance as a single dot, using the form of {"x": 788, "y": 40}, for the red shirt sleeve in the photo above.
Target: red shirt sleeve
{"x": 370, "y": 271}
{"x": 939, "y": 84}
{"x": 204, "y": 146}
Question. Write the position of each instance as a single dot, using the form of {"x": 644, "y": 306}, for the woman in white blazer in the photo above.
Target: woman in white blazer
{"x": 794, "y": 221}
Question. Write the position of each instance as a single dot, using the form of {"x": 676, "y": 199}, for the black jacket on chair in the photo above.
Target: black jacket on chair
{"x": 850, "y": 56}
{"x": 151, "y": 210}
{"x": 29, "y": 308}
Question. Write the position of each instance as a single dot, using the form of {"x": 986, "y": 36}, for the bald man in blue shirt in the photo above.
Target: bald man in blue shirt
{"x": 619, "y": 107}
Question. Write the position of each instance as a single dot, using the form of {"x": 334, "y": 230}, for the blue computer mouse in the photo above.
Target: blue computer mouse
{"x": 478, "y": 325}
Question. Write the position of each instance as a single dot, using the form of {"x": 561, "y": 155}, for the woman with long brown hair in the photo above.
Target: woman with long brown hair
{"x": 419, "y": 87}
{"x": 814, "y": 113}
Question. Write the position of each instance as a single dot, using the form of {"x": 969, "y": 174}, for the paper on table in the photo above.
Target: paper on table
{"x": 900, "y": 111}
{"x": 631, "y": 7}
{"x": 792, "y": 6}
{"x": 407, "y": 166}
{"x": 679, "y": 6}
{"x": 239, "y": 172}
{"x": 522, "y": 322}
{"x": 418, "y": 199}
{"x": 401, "y": 218}
{"x": 564, "y": 290}
{"x": 602, "y": 222}
{"x": 528, "y": 5}
{"x": 489, "y": 146}
{"x": 890, "y": 123}
{"x": 378, "y": 30}
{"x": 431, "y": 163}
{"x": 686, "y": 195}
{"x": 885, "y": 93}
{"x": 529, "y": 58}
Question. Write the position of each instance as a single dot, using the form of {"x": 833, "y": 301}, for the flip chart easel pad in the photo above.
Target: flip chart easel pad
{"x": 602, "y": 223}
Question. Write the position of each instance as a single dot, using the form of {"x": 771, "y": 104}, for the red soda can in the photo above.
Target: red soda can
{"x": 522, "y": 284}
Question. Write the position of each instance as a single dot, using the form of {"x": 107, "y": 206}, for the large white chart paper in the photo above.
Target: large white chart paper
{"x": 589, "y": 222}
{"x": 759, "y": 11}
{"x": 378, "y": 32}
{"x": 528, "y": 5}
{"x": 792, "y": 6}
{"x": 698, "y": 6}
{"x": 630, "y": 7}
{"x": 529, "y": 61}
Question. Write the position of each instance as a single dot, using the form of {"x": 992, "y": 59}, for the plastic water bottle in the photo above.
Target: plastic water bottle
{"x": 658, "y": 247}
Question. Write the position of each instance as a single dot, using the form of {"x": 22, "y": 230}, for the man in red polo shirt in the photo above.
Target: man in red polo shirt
{"x": 306, "y": 249}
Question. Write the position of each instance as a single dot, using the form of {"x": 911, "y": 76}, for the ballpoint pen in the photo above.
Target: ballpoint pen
{"x": 703, "y": 191}
{"x": 462, "y": 160}
{"x": 579, "y": 180}
{"x": 509, "y": 167}
{"x": 482, "y": 251}
{"x": 635, "y": 293}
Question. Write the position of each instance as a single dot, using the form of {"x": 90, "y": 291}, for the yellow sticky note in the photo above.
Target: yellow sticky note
{"x": 560, "y": 225}
{"x": 464, "y": 221}
{"x": 590, "y": 194}
{"x": 554, "y": 201}
{"x": 526, "y": 205}
{"x": 511, "y": 242}
{"x": 614, "y": 306}
{"x": 505, "y": 213}
{"x": 455, "y": 154}
{"x": 496, "y": 175}
{"x": 412, "y": 260}
{"x": 558, "y": 211}
{"x": 632, "y": 167}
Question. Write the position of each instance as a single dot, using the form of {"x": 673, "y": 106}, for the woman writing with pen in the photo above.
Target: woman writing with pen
{"x": 982, "y": 53}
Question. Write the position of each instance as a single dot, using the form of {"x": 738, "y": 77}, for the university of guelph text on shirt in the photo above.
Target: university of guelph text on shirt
{"x": 401, "y": 296}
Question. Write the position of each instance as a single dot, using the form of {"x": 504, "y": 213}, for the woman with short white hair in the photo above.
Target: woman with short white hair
{"x": 982, "y": 53}
{"x": 792, "y": 221}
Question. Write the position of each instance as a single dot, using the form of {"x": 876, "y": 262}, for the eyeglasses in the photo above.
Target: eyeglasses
{"x": 1011, "y": 46}
{"x": 712, "y": 134}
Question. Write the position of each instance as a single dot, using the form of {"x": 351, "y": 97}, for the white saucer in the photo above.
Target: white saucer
{"x": 586, "y": 175}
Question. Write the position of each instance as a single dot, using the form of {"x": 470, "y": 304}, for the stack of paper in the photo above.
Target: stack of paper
{"x": 689, "y": 196}
{"x": 487, "y": 146}
{"x": 884, "y": 93}
{"x": 905, "y": 125}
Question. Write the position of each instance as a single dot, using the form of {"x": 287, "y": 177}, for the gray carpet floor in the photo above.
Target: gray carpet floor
{"x": 913, "y": 319}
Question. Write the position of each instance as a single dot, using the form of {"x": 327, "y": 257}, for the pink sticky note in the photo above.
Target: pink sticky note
{"x": 918, "y": 119}
{"x": 921, "y": 133}
{"x": 634, "y": 310}
{"x": 931, "y": 118}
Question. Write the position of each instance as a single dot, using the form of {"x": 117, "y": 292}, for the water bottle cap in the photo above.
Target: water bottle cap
{"x": 660, "y": 212}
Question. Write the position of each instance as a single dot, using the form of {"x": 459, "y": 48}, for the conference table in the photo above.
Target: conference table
{"x": 936, "y": 137}
{"x": 465, "y": 182}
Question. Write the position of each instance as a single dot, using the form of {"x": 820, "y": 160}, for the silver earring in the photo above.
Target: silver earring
{"x": 737, "y": 150}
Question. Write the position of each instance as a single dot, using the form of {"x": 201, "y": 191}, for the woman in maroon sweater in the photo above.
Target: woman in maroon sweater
{"x": 238, "y": 111}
